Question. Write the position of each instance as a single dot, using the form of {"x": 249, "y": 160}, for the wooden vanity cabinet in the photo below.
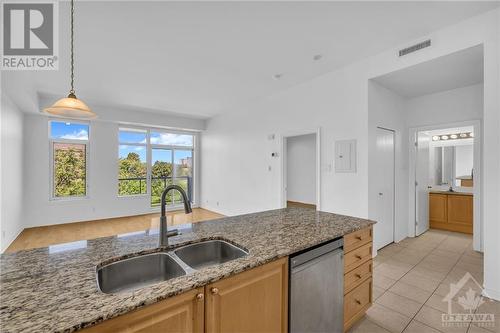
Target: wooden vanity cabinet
{"x": 358, "y": 272}
{"x": 252, "y": 301}
{"x": 453, "y": 212}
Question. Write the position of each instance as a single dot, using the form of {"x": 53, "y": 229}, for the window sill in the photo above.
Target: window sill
{"x": 131, "y": 196}
{"x": 69, "y": 199}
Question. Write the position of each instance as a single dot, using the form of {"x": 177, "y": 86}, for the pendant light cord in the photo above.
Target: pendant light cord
{"x": 72, "y": 91}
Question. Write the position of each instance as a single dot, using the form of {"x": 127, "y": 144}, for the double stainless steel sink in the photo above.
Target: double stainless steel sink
{"x": 137, "y": 272}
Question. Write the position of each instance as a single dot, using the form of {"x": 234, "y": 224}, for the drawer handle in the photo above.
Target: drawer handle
{"x": 358, "y": 276}
{"x": 215, "y": 291}
{"x": 199, "y": 296}
{"x": 359, "y": 237}
{"x": 358, "y": 301}
{"x": 359, "y": 257}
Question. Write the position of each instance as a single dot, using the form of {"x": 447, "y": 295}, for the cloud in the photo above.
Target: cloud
{"x": 80, "y": 135}
{"x": 173, "y": 139}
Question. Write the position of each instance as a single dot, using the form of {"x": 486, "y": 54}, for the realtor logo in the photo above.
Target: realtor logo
{"x": 467, "y": 293}
{"x": 29, "y": 32}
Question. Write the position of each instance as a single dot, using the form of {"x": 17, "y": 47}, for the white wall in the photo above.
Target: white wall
{"x": 236, "y": 149}
{"x": 386, "y": 109}
{"x": 301, "y": 168}
{"x": 450, "y": 106}
{"x": 11, "y": 203}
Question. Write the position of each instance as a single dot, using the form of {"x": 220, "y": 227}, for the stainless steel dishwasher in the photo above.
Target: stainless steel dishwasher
{"x": 317, "y": 289}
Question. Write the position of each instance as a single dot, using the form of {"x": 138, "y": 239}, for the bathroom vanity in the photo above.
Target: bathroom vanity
{"x": 452, "y": 211}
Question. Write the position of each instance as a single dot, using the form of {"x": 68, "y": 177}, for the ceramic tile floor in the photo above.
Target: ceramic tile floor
{"x": 411, "y": 280}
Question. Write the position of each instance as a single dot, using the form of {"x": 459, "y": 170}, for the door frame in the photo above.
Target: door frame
{"x": 393, "y": 132}
{"x": 477, "y": 225}
{"x": 283, "y": 166}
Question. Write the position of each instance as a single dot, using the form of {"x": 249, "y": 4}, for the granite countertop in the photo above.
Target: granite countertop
{"x": 450, "y": 193}
{"x": 54, "y": 289}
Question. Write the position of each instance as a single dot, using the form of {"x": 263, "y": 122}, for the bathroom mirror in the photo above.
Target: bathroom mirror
{"x": 452, "y": 165}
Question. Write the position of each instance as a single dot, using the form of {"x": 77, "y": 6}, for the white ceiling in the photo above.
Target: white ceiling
{"x": 459, "y": 69}
{"x": 204, "y": 58}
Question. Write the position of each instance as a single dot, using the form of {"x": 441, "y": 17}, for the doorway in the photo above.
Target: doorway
{"x": 446, "y": 166}
{"x": 300, "y": 170}
{"x": 384, "y": 185}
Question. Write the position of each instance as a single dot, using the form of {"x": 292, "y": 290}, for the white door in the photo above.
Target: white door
{"x": 421, "y": 183}
{"x": 384, "y": 229}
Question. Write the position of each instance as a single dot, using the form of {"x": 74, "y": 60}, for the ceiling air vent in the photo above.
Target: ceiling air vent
{"x": 414, "y": 48}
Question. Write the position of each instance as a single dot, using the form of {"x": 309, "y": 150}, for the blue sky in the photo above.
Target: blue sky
{"x": 64, "y": 130}
{"x": 173, "y": 139}
{"x": 164, "y": 155}
{"x": 125, "y": 150}
{"x": 132, "y": 137}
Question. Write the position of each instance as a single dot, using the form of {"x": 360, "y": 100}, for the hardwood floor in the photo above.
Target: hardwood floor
{"x": 31, "y": 238}
{"x": 299, "y": 204}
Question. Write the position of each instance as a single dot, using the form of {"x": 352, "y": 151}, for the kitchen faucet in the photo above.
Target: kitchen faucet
{"x": 164, "y": 233}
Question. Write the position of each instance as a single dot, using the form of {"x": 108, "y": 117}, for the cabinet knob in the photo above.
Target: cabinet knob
{"x": 358, "y": 276}
{"x": 215, "y": 291}
{"x": 358, "y": 301}
{"x": 200, "y": 296}
{"x": 359, "y": 237}
{"x": 358, "y": 256}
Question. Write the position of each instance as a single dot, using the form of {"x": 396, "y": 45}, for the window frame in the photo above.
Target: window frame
{"x": 145, "y": 145}
{"x": 86, "y": 143}
{"x": 149, "y": 149}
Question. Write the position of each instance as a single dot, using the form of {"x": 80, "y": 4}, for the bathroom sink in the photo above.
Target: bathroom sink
{"x": 208, "y": 253}
{"x": 137, "y": 272}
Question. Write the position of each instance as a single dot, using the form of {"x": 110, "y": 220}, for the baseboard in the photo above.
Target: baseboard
{"x": 490, "y": 293}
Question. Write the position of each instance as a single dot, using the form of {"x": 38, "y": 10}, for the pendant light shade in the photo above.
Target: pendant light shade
{"x": 71, "y": 107}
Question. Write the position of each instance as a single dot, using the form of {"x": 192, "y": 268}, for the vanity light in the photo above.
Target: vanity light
{"x": 435, "y": 138}
{"x": 463, "y": 135}
{"x": 453, "y": 136}
{"x": 71, "y": 106}
{"x": 471, "y": 134}
{"x": 444, "y": 137}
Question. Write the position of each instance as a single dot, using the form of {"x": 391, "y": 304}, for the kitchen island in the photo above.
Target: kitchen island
{"x": 54, "y": 289}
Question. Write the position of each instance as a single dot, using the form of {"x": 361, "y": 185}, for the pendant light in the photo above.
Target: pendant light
{"x": 71, "y": 106}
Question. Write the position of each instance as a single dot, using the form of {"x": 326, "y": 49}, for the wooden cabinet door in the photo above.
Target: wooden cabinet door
{"x": 437, "y": 209}
{"x": 252, "y": 301}
{"x": 179, "y": 314}
{"x": 460, "y": 212}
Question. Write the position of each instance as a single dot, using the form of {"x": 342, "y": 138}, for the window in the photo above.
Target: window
{"x": 171, "y": 162}
{"x": 68, "y": 154}
{"x": 132, "y": 168}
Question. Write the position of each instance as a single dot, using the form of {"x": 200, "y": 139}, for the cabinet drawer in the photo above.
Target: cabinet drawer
{"x": 356, "y": 302}
{"x": 355, "y": 277}
{"x": 357, "y": 257}
{"x": 356, "y": 239}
